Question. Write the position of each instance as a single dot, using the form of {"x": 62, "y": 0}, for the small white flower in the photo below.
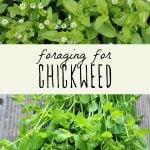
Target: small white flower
{"x": 64, "y": 26}
{"x": 46, "y": 22}
{"x": 32, "y": 34}
{"x": 21, "y": 21}
{"x": 33, "y": 5}
{"x": 114, "y": 2}
{"x": 73, "y": 24}
{"x": 12, "y": 15}
{"x": 59, "y": 22}
{"x": 22, "y": 6}
{"x": 64, "y": 39}
{"x": 56, "y": 26}
{"x": 40, "y": 6}
{"x": 5, "y": 22}
{"x": 18, "y": 35}
{"x": 41, "y": 26}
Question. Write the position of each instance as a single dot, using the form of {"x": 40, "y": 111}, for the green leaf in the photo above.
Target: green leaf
{"x": 99, "y": 22}
{"x": 97, "y": 116}
{"x": 140, "y": 143}
{"x": 102, "y": 7}
{"x": 45, "y": 3}
{"x": 22, "y": 143}
{"x": 107, "y": 106}
{"x": 125, "y": 34}
{"x": 34, "y": 142}
{"x": 116, "y": 114}
{"x": 107, "y": 134}
{"x": 49, "y": 35}
{"x": 117, "y": 129}
{"x": 142, "y": 5}
{"x": 84, "y": 99}
{"x": 91, "y": 33}
{"x": 93, "y": 107}
{"x": 61, "y": 135}
{"x": 42, "y": 134}
{"x": 130, "y": 120}
{"x": 107, "y": 30}
{"x": 76, "y": 36}
{"x": 18, "y": 98}
{"x": 143, "y": 17}
{"x": 81, "y": 121}
{"x": 146, "y": 35}
{"x": 85, "y": 20}
{"x": 109, "y": 123}
{"x": 13, "y": 10}
{"x": 79, "y": 143}
{"x": 136, "y": 39}
{"x": 141, "y": 131}
{"x": 120, "y": 21}
{"x": 4, "y": 143}
{"x": 3, "y": 7}
{"x": 72, "y": 6}
{"x": 147, "y": 31}
{"x": 132, "y": 19}
{"x": 49, "y": 14}
{"x": 91, "y": 145}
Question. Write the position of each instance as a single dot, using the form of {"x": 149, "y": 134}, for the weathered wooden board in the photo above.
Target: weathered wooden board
{"x": 143, "y": 108}
{"x": 10, "y": 114}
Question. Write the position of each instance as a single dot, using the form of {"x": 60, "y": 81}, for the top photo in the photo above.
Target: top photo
{"x": 74, "y": 21}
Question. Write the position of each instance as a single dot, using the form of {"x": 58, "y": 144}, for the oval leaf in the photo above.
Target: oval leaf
{"x": 107, "y": 30}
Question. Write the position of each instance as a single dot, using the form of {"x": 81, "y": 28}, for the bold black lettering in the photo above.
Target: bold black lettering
{"x": 99, "y": 76}
{"x": 41, "y": 82}
{"x": 50, "y": 75}
{"x": 108, "y": 76}
{"x": 72, "y": 78}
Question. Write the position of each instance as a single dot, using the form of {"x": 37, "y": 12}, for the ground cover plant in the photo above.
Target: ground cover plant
{"x": 79, "y": 122}
{"x": 74, "y": 21}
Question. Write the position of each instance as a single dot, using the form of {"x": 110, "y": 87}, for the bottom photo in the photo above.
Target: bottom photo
{"x": 74, "y": 122}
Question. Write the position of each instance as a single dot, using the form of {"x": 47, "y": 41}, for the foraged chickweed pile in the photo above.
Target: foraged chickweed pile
{"x": 79, "y": 122}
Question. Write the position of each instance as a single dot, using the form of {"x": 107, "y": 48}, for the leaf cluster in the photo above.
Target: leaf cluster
{"x": 75, "y": 21}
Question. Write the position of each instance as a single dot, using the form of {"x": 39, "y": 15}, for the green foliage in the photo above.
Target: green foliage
{"x": 74, "y": 21}
{"x": 84, "y": 122}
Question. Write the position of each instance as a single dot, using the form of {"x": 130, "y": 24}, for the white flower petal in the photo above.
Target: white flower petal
{"x": 18, "y": 35}
{"x": 41, "y": 26}
{"x": 64, "y": 26}
{"x": 22, "y": 6}
{"x": 114, "y": 2}
{"x": 40, "y": 6}
{"x": 33, "y": 5}
{"x": 73, "y": 24}
{"x": 5, "y": 22}
{"x": 46, "y": 22}
{"x": 64, "y": 39}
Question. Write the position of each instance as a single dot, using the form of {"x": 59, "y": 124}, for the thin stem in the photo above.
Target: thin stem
{"x": 42, "y": 114}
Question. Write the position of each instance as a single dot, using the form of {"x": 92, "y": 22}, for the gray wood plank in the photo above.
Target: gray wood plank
{"x": 10, "y": 114}
{"x": 143, "y": 108}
